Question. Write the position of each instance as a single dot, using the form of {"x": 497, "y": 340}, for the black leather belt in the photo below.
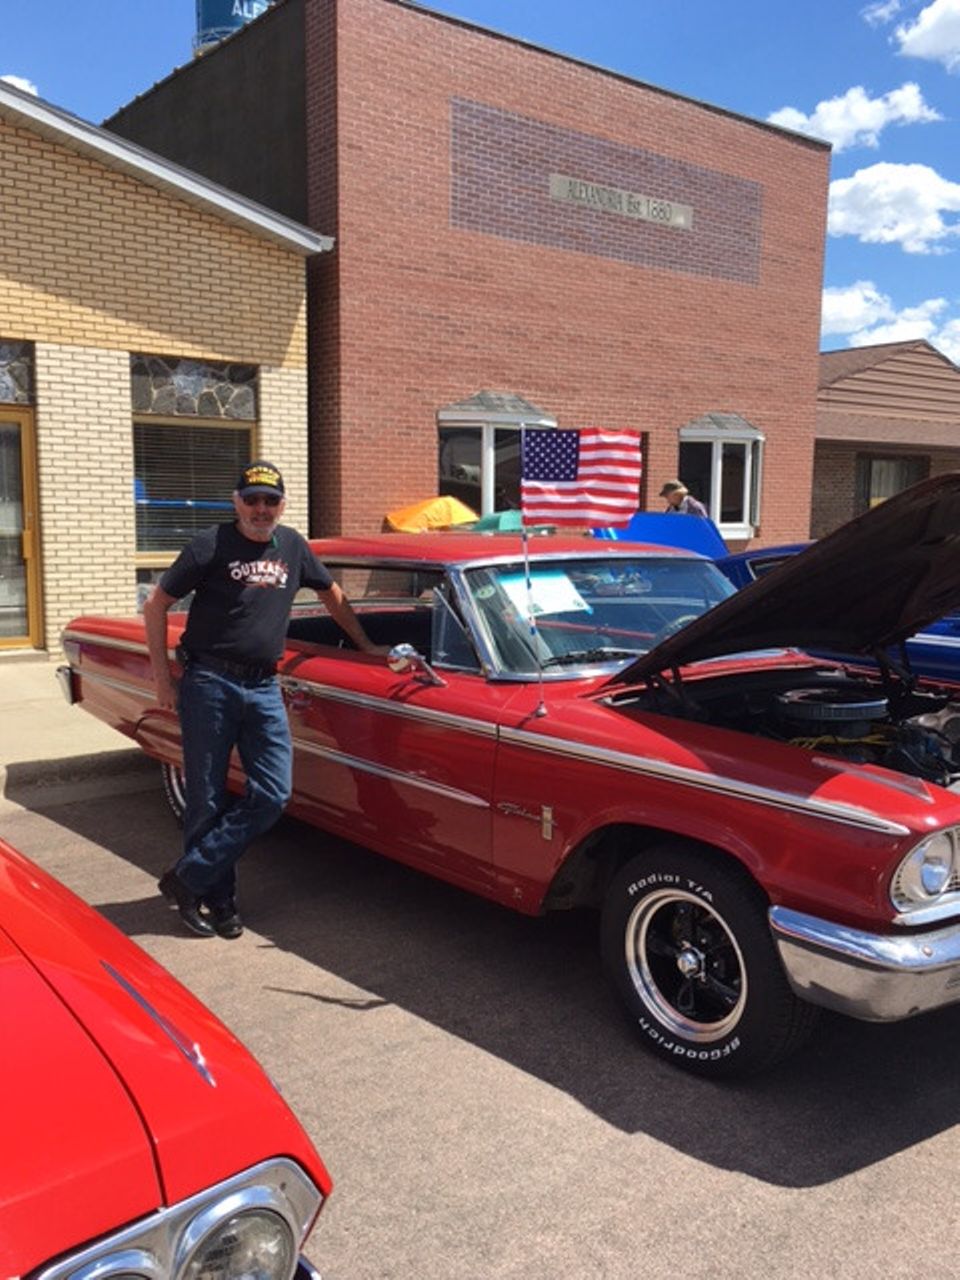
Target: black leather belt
{"x": 227, "y": 667}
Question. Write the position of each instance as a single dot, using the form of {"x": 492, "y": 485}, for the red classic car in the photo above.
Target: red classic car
{"x": 140, "y": 1138}
{"x": 609, "y": 726}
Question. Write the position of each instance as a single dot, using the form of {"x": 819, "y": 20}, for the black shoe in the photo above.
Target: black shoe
{"x": 226, "y": 921}
{"x": 187, "y": 905}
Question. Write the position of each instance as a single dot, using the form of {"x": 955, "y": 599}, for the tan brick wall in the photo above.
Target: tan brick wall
{"x": 283, "y": 438}
{"x": 95, "y": 265}
{"x": 92, "y": 257}
{"x": 85, "y": 469}
{"x": 429, "y": 311}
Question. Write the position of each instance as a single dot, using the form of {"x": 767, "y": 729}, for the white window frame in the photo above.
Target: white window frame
{"x": 754, "y": 441}
{"x": 488, "y": 424}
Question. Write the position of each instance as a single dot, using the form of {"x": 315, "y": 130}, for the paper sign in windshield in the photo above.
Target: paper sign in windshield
{"x": 551, "y": 591}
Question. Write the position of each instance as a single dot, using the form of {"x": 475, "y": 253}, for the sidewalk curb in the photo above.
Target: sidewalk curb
{"x": 100, "y": 772}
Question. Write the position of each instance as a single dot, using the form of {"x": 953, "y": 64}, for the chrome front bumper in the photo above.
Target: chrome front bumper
{"x": 878, "y": 977}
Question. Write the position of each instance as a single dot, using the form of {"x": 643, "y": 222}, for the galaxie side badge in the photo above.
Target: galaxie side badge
{"x": 545, "y": 816}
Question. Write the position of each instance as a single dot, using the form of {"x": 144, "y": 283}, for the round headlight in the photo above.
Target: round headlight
{"x": 924, "y": 873}
{"x": 254, "y": 1244}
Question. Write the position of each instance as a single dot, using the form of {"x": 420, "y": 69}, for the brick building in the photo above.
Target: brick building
{"x": 520, "y": 236}
{"x": 152, "y": 337}
{"x": 888, "y": 416}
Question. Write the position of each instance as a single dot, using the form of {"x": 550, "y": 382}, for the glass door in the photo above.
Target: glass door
{"x": 20, "y": 622}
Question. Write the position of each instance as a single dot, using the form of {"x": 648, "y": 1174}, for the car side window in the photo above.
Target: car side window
{"x": 450, "y": 642}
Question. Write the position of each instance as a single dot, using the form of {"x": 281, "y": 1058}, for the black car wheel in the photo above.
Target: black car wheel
{"x": 173, "y": 789}
{"x": 687, "y": 944}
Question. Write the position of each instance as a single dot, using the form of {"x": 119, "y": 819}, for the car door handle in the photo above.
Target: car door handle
{"x": 296, "y": 694}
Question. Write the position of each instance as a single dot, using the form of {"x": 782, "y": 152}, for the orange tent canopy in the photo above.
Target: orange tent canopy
{"x": 431, "y": 513}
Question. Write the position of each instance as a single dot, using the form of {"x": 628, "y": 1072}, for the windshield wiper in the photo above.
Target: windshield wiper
{"x": 599, "y": 654}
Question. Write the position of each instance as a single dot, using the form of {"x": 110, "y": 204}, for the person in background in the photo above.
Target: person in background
{"x": 680, "y": 500}
{"x": 244, "y": 575}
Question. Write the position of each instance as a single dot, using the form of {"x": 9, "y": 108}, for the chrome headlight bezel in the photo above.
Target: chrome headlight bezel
{"x": 926, "y": 884}
{"x": 160, "y": 1246}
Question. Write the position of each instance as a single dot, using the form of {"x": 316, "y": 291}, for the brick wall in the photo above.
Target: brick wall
{"x": 93, "y": 265}
{"x": 834, "y": 487}
{"x": 283, "y": 438}
{"x": 85, "y": 472}
{"x": 834, "y": 477}
{"x": 442, "y": 290}
{"x": 94, "y": 257}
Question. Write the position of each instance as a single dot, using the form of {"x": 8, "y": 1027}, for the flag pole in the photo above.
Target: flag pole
{"x": 541, "y": 708}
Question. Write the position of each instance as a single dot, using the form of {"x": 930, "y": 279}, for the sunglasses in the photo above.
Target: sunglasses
{"x": 254, "y": 499}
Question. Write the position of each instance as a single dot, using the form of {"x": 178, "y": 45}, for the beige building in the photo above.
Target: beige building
{"x": 887, "y": 417}
{"x": 152, "y": 339}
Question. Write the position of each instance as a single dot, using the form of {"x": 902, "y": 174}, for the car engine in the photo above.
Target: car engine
{"x": 865, "y": 720}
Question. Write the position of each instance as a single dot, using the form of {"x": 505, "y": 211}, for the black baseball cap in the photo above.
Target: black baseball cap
{"x": 260, "y": 477}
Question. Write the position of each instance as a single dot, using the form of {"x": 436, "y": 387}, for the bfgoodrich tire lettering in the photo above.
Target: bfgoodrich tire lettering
{"x": 687, "y": 945}
{"x": 173, "y": 791}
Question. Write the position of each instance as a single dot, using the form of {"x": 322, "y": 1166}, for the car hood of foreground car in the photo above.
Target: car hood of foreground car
{"x": 870, "y": 584}
{"x": 122, "y": 1092}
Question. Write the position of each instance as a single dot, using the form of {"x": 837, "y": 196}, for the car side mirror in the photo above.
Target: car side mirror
{"x": 404, "y": 658}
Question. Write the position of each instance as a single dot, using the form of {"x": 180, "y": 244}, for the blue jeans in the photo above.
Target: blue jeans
{"x": 218, "y": 713}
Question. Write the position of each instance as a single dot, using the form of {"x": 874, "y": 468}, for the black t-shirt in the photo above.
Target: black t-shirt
{"x": 243, "y": 591}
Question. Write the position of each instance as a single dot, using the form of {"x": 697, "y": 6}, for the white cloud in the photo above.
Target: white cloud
{"x": 934, "y": 35}
{"x": 19, "y": 82}
{"x": 900, "y": 204}
{"x": 854, "y": 119}
{"x": 854, "y": 307}
{"x": 948, "y": 340}
{"x": 881, "y": 12}
{"x": 864, "y": 316}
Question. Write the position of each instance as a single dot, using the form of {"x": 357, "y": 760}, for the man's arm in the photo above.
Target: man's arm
{"x": 155, "y": 612}
{"x": 341, "y": 610}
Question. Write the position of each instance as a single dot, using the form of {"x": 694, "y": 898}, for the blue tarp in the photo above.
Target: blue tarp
{"x": 664, "y": 529}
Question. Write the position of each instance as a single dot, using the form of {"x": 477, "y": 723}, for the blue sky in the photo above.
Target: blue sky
{"x": 878, "y": 78}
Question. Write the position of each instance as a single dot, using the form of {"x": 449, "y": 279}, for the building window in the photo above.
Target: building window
{"x": 468, "y": 455}
{"x": 721, "y": 463}
{"x": 184, "y": 480}
{"x": 479, "y": 449}
{"x": 193, "y": 431}
{"x": 879, "y": 478}
{"x": 16, "y": 372}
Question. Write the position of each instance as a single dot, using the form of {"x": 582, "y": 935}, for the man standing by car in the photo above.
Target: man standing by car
{"x": 244, "y": 576}
{"x": 681, "y": 500}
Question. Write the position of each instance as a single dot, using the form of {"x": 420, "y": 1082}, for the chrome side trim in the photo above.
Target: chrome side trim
{"x": 128, "y": 646}
{"x": 826, "y": 809}
{"x": 941, "y": 642}
{"x": 875, "y": 977}
{"x": 369, "y": 702}
{"x": 392, "y": 775}
{"x": 192, "y": 1052}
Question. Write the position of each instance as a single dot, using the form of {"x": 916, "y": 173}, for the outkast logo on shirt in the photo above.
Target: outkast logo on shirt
{"x": 259, "y": 573}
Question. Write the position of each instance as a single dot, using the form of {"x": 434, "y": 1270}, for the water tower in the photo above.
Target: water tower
{"x": 217, "y": 19}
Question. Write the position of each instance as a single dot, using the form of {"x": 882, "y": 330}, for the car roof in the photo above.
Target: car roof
{"x": 457, "y": 548}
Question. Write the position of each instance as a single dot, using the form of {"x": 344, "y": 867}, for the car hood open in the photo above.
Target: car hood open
{"x": 870, "y": 584}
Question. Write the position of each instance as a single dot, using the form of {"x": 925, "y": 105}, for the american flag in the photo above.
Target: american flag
{"x": 588, "y": 477}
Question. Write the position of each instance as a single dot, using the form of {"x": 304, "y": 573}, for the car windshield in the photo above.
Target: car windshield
{"x": 602, "y": 610}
